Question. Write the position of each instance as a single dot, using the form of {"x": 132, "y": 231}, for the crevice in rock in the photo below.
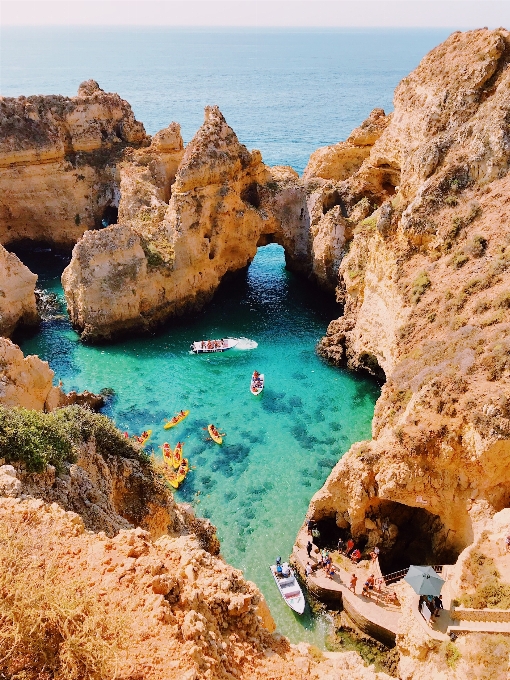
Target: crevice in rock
{"x": 330, "y": 200}
{"x": 251, "y": 196}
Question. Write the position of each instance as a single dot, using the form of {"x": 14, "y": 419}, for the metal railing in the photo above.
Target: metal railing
{"x": 399, "y": 575}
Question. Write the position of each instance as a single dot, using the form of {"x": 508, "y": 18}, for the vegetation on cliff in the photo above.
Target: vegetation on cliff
{"x": 39, "y": 439}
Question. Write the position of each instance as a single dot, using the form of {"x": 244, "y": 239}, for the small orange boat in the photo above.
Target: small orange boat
{"x": 177, "y": 457}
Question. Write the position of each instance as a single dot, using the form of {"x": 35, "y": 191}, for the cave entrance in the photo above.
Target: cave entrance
{"x": 110, "y": 216}
{"x": 411, "y": 535}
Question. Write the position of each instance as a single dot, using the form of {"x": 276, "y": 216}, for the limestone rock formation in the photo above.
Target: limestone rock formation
{"x": 181, "y": 231}
{"x": 17, "y": 296}
{"x": 26, "y": 381}
{"x": 168, "y": 608}
{"x": 425, "y": 288}
{"x": 340, "y": 161}
{"x": 58, "y": 160}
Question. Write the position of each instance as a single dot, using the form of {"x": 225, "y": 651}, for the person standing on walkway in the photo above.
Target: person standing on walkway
{"x": 308, "y": 569}
{"x": 309, "y": 547}
{"x": 352, "y": 584}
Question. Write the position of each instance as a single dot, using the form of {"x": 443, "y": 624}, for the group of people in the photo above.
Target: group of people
{"x": 325, "y": 562}
{"x": 256, "y": 379}
{"x": 214, "y": 344}
{"x": 434, "y": 604}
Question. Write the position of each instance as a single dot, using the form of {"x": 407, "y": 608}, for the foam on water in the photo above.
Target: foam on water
{"x": 246, "y": 344}
{"x": 279, "y": 447}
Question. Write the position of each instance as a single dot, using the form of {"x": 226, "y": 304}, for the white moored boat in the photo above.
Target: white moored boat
{"x": 289, "y": 588}
{"x": 207, "y": 346}
{"x": 257, "y": 383}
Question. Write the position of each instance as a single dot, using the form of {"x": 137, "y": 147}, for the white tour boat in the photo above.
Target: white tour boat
{"x": 288, "y": 586}
{"x": 207, "y": 346}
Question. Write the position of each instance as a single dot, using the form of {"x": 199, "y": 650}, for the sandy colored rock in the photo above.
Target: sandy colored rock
{"x": 58, "y": 160}
{"x": 181, "y": 233}
{"x": 25, "y": 381}
{"x": 184, "y": 612}
{"x": 17, "y": 297}
{"x": 340, "y": 161}
{"x": 425, "y": 286}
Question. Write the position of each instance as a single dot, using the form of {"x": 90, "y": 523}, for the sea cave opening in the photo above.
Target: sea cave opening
{"x": 110, "y": 216}
{"x": 405, "y": 535}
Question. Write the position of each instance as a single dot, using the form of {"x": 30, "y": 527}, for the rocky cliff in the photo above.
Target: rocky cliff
{"x": 186, "y": 218}
{"x": 17, "y": 294}
{"x": 26, "y": 381}
{"x": 425, "y": 287}
{"x": 58, "y": 158}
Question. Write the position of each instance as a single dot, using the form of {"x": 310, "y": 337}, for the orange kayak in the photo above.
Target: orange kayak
{"x": 177, "y": 457}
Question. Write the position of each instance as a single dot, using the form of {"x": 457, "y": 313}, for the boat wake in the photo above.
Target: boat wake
{"x": 246, "y": 343}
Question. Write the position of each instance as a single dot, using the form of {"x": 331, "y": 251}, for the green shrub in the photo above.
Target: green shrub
{"x": 38, "y": 439}
{"x": 419, "y": 286}
{"x": 477, "y": 246}
{"x": 77, "y": 220}
{"x": 459, "y": 260}
{"x": 452, "y": 654}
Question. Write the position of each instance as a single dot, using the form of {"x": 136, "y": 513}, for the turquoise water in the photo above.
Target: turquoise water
{"x": 279, "y": 448}
{"x": 285, "y": 92}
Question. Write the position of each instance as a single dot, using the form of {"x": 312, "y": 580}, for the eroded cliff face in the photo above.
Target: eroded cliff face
{"x": 186, "y": 218}
{"x": 425, "y": 287}
{"x": 26, "y": 381}
{"x": 58, "y": 159}
{"x": 17, "y": 294}
{"x": 168, "y": 608}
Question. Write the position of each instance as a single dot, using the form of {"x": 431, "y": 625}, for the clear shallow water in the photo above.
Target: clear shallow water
{"x": 279, "y": 447}
{"x": 285, "y": 92}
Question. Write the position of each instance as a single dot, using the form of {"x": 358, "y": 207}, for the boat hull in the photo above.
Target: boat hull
{"x": 180, "y": 418}
{"x": 290, "y": 590}
{"x": 223, "y": 345}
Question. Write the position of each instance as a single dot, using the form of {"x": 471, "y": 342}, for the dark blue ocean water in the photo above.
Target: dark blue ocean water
{"x": 285, "y": 92}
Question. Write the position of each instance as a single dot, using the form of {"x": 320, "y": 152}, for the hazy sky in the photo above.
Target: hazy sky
{"x": 330, "y": 13}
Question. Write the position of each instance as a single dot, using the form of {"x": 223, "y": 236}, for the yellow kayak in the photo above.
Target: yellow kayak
{"x": 183, "y": 470}
{"x": 176, "y": 420}
{"x": 177, "y": 457}
{"x": 172, "y": 478}
{"x": 168, "y": 454}
{"x": 142, "y": 439}
{"x": 214, "y": 434}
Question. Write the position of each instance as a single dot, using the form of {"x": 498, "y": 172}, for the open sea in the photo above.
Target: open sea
{"x": 285, "y": 92}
